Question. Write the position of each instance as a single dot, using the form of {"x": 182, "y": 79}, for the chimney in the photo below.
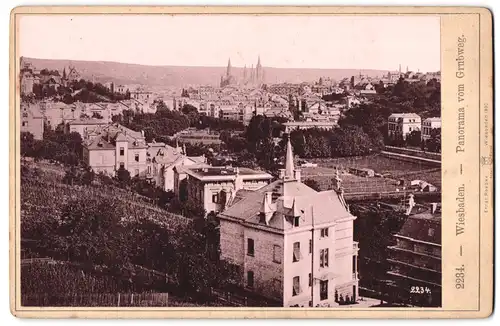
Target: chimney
{"x": 433, "y": 208}
{"x": 267, "y": 209}
{"x": 337, "y": 182}
{"x": 296, "y": 175}
{"x": 410, "y": 204}
{"x": 281, "y": 174}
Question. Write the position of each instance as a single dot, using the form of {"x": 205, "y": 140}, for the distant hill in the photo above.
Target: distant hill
{"x": 178, "y": 76}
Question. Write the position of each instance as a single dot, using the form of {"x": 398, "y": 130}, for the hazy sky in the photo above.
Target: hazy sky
{"x": 357, "y": 42}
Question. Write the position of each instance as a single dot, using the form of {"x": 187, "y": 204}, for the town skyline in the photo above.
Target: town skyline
{"x": 241, "y": 38}
{"x": 224, "y": 66}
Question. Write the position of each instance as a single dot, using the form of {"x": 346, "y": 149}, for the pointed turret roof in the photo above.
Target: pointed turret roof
{"x": 289, "y": 167}
{"x": 228, "y": 70}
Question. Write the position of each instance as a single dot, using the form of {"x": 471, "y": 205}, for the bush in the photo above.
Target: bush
{"x": 123, "y": 176}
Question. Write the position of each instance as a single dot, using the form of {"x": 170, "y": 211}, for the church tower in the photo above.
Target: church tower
{"x": 228, "y": 70}
{"x": 258, "y": 71}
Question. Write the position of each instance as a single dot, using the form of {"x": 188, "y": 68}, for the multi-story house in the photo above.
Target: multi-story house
{"x": 415, "y": 260}
{"x": 120, "y": 89}
{"x": 214, "y": 187}
{"x": 290, "y": 243}
{"x": 161, "y": 159}
{"x": 141, "y": 94}
{"x": 56, "y": 113}
{"x": 32, "y": 121}
{"x": 108, "y": 148}
{"x": 27, "y": 82}
{"x": 400, "y": 125}
{"x": 427, "y": 126}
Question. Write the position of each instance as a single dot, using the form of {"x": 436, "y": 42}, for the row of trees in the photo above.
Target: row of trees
{"x": 76, "y": 91}
{"x": 413, "y": 139}
{"x": 340, "y": 142}
{"x": 157, "y": 125}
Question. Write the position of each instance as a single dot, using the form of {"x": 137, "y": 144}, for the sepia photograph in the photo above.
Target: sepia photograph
{"x": 245, "y": 161}
{"x": 253, "y": 161}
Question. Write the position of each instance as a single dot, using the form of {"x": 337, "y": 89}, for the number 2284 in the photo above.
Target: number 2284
{"x": 460, "y": 278}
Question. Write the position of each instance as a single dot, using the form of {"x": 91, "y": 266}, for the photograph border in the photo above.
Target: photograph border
{"x": 483, "y": 204}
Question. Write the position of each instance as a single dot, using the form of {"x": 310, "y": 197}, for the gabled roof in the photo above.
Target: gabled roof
{"x": 116, "y": 132}
{"x": 120, "y": 137}
{"x": 417, "y": 227}
{"x": 88, "y": 122}
{"x": 285, "y": 199}
{"x": 315, "y": 208}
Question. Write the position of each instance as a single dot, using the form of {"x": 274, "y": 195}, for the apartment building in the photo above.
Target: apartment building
{"x": 415, "y": 260}
{"x": 402, "y": 124}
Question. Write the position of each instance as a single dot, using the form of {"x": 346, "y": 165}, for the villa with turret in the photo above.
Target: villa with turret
{"x": 290, "y": 243}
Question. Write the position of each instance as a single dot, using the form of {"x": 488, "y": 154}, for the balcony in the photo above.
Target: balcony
{"x": 355, "y": 247}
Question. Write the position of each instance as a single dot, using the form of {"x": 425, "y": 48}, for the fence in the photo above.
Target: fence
{"x": 236, "y": 300}
{"x": 29, "y": 261}
{"x": 97, "y": 300}
{"x": 414, "y": 152}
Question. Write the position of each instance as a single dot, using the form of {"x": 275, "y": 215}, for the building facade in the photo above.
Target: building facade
{"x": 290, "y": 243}
{"x": 109, "y": 148}
{"x": 215, "y": 187}
{"x": 161, "y": 159}
{"x": 428, "y": 125}
{"x": 400, "y": 125}
{"x": 415, "y": 260}
{"x": 32, "y": 121}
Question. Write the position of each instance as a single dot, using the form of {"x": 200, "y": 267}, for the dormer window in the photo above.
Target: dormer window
{"x": 262, "y": 217}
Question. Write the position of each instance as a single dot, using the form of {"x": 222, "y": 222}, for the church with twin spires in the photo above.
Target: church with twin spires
{"x": 251, "y": 76}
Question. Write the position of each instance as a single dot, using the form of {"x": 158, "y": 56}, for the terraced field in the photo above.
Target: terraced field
{"x": 408, "y": 171}
{"x": 43, "y": 194}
